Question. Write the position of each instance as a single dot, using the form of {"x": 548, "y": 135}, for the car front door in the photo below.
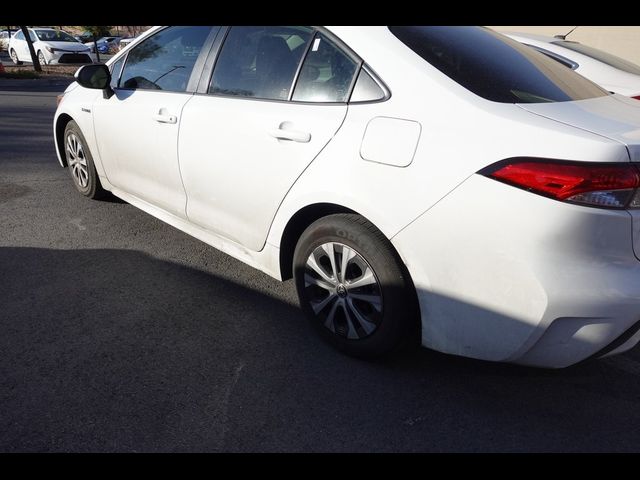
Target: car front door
{"x": 19, "y": 44}
{"x": 137, "y": 127}
{"x": 254, "y": 130}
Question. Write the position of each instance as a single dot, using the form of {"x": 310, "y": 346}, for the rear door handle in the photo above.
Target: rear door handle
{"x": 294, "y": 135}
{"x": 165, "y": 118}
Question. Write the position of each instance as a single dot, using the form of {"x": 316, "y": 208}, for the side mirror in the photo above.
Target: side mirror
{"x": 96, "y": 76}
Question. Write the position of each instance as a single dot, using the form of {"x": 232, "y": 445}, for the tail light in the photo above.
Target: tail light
{"x": 637, "y": 97}
{"x": 608, "y": 185}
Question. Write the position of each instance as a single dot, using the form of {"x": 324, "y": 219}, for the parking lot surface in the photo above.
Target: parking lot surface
{"x": 120, "y": 333}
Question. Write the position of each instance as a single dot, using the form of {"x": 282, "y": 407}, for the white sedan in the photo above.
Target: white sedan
{"x": 446, "y": 186}
{"x": 51, "y": 46}
{"x": 609, "y": 71}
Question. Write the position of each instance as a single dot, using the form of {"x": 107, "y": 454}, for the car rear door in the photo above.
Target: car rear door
{"x": 137, "y": 128}
{"x": 258, "y": 123}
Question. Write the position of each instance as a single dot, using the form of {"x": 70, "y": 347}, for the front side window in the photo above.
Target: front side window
{"x": 20, "y": 36}
{"x": 165, "y": 60}
{"x": 326, "y": 74}
{"x": 259, "y": 62}
{"x": 496, "y": 67}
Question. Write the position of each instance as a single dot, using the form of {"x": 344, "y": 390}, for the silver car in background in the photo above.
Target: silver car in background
{"x": 612, "y": 73}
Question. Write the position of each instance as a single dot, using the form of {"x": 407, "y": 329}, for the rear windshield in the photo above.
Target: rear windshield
{"x": 604, "y": 57}
{"x": 496, "y": 67}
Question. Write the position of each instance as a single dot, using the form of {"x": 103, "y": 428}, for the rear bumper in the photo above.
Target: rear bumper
{"x": 506, "y": 275}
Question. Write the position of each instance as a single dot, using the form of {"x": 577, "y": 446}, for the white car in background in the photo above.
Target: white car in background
{"x": 613, "y": 73}
{"x": 442, "y": 185}
{"x": 51, "y": 46}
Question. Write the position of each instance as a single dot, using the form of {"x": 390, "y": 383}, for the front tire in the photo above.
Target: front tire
{"x": 354, "y": 288}
{"x": 14, "y": 57}
{"x": 41, "y": 59}
{"x": 80, "y": 163}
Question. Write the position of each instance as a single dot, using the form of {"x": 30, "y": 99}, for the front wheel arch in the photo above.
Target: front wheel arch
{"x": 17, "y": 60}
{"x": 61, "y": 124}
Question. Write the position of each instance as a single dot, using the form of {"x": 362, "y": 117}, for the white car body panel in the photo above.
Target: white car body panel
{"x": 475, "y": 286}
{"x": 144, "y": 160}
{"x": 390, "y": 141}
{"x": 600, "y": 116}
{"x": 557, "y": 285}
{"x": 608, "y": 77}
{"x": 237, "y": 202}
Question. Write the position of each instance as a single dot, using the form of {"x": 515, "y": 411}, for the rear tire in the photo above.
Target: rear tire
{"x": 80, "y": 163}
{"x": 362, "y": 302}
{"x": 14, "y": 57}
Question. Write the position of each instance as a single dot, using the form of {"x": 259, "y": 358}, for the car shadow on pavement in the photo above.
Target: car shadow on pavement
{"x": 114, "y": 350}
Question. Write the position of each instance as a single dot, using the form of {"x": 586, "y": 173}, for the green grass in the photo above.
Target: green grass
{"x": 22, "y": 74}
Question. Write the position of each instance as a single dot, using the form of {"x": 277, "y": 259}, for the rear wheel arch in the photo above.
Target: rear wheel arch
{"x": 297, "y": 224}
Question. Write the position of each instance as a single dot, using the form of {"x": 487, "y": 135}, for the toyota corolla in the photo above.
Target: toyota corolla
{"x": 442, "y": 185}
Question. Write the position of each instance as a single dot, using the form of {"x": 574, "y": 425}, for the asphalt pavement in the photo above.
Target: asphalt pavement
{"x": 120, "y": 333}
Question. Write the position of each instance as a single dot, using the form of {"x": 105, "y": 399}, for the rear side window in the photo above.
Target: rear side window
{"x": 165, "y": 60}
{"x": 496, "y": 67}
{"x": 326, "y": 74}
{"x": 259, "y": 62}
{"x": 20, "y": 36}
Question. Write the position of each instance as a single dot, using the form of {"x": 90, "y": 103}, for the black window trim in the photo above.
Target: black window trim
{"x": 294, "y": 81}
{"x": 216, "y": 47}
{"x": 197, "y": 66}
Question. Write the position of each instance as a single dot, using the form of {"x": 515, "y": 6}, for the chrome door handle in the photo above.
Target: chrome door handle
{"x": 293, "y": 135}
{"x": 165, "y": 118}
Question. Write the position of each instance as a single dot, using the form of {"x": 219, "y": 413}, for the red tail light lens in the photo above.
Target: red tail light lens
{"x": 637, "y": 97}
{"x": 603, "y": 185}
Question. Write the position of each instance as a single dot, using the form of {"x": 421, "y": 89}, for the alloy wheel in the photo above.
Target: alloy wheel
{"x": 343, "y": 290}
{"x": 77, "y": 160}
